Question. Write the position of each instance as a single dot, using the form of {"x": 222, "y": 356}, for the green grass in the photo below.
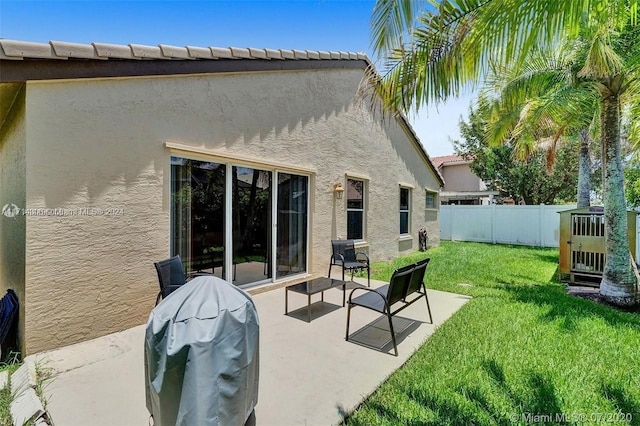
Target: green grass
{"x": 9, "y": 365}
{"x": 520, "y": 348}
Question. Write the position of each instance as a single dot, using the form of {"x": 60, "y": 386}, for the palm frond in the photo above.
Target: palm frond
{"x": 450, "y": 47}
{"x": 391, "y": 21}
{"x": 602, "y": 61}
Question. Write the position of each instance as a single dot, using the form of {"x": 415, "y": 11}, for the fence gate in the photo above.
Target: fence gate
{"x": 587, "y": 245}
{"x": 582, "y": 244}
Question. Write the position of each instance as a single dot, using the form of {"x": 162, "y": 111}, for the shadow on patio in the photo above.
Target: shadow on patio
{"x": 309, "y": 374}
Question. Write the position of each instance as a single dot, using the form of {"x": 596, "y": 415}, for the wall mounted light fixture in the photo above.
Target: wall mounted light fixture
{"x": 338, "y": 189}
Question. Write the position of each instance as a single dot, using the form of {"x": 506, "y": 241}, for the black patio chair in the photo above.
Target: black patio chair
{"x": 171, "y": 276}
{"x": 382, "y": 299}
{"x": 417, "y": 284}
{"x": 345, "y": 256}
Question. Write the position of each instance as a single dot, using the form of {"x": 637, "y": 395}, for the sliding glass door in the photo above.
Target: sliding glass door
{"x": 291, "y": 247}
{"x": 254, "y": 204}
{"x": 197, "y": 212}
{"x": 252, "y": 225}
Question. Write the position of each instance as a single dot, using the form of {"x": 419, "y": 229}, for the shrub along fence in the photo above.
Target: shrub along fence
{"x": 524, "y": 225}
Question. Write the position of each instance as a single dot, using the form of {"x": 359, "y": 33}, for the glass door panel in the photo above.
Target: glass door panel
{"x": 197, "y": 214}
{"x": 291, "y": 244}
{"x": 251, "y": 224}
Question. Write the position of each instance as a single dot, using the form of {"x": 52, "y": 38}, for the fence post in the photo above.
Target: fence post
{"x": 451, "y": 227}
{"x": 541, "y": 224}
{"x": 493, "y": 223}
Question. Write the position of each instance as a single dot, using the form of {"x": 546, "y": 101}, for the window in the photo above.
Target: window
{"x": 229, "y": 233}
{"x": 197, "y": 214}
{"x": 355, "y": 209}
{"x": 405, "y": 212}
{"x": 431, "y": 199}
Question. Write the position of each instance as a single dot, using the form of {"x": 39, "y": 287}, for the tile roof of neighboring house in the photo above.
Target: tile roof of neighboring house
{"x": 453, "y": 158}
{"x": 163, "y": 59}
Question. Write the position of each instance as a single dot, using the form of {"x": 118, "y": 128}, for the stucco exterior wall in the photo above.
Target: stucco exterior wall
{"x": 459, "y": 177}
{"x": 12, "y": 191}
{"x": 100, "y": 144}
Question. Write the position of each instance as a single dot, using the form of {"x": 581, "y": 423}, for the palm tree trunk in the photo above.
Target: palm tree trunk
{"x": 584, "y": 171}
{"x": 618, "y": 284}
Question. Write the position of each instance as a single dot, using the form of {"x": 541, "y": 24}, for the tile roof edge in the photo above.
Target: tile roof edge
{"x": 18, "y": 49}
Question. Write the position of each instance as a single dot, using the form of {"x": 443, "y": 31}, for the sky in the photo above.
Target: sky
{"x": 340, "y": 25}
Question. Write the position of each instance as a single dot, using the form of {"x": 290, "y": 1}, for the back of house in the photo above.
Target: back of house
{"x": 113, "y": 157}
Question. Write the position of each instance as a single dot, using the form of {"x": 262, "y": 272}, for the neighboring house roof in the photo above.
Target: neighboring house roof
{"x": 449, "y": 160}
{"x": 22, "y": 61}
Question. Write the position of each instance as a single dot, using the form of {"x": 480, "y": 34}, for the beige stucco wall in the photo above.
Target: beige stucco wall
{"x": 12, "y": 191}
{"x": 459, "y": 177}
{"x": 100, "y": 144}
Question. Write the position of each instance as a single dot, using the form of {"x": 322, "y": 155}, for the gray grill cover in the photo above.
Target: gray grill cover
{"x": 201, "y": 355}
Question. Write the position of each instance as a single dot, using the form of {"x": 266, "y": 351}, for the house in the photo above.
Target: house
{"x": 462, "y": 186}
{"x": 113, "y": 157}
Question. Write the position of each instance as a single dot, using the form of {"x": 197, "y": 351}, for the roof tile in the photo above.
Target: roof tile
{"x": 108, "y": 50}
{"x": 199, "y": 52}
{"x": 453, "y": 158}
{"x": 257, "y": 53}
{"x": 16, "y": 50}
{"x": 3, "y": 56}
{"x": 174, "y": 51}
{"x": 74, "y": 50}
{"x": 26, "y": 49}
{"x": 239, "y": 52}
{"x": 273, "y": 54}
{"x": 142, "y": 51}
{"x": 221, "y": 52}
{"x": 287, "y": 54}
{"x": 300, "y": 54}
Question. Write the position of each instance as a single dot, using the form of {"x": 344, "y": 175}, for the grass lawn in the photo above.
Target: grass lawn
{"x": 5, "y": 396}
{"x": 520, "y": 352}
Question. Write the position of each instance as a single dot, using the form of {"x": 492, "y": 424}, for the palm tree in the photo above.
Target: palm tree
{"x": 453, "y": 44}
{"x": 541, "y": 103}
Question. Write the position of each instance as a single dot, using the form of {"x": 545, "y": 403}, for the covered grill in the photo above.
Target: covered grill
{"x": 201, "y": 355}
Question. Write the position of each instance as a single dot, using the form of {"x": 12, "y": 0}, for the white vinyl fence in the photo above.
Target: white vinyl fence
{"x": 524, "y": 225}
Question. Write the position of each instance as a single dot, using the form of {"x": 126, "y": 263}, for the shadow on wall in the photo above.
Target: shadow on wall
{"x": 87, "y": 136}
{"x": 408, "y": 153}
{"x": 12, "y": 192}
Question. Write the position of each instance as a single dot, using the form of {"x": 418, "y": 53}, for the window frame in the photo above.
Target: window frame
{"x": 436, "y": 199}
{"x": 407, "y": 210}
{"x": 363, "y": 209}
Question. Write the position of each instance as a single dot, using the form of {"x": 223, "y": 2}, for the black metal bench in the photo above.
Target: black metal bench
{"x": 405, "y": 287}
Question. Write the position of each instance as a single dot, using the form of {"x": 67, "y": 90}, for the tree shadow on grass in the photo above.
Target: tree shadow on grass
{"x": 623, "y": 402}
{"x": 473, "y": 405}
{"x": 568, "y": 309}
{"x": 550, "y": 257}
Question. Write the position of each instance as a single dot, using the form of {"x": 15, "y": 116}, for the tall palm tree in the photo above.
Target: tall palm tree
{"x": 453, "y": 43}
{"x": 541, "y": 103}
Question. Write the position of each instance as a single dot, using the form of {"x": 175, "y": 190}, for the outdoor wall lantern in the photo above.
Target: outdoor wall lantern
{"x": 338, "y": 190}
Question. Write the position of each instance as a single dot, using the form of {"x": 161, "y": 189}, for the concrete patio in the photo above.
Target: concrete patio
{"x": 308, "y": 373}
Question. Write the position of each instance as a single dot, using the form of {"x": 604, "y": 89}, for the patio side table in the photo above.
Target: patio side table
{"x": 311, "y": 287}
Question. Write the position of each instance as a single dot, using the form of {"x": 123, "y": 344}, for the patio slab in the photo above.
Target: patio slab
{"x": 309, "y": 374}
